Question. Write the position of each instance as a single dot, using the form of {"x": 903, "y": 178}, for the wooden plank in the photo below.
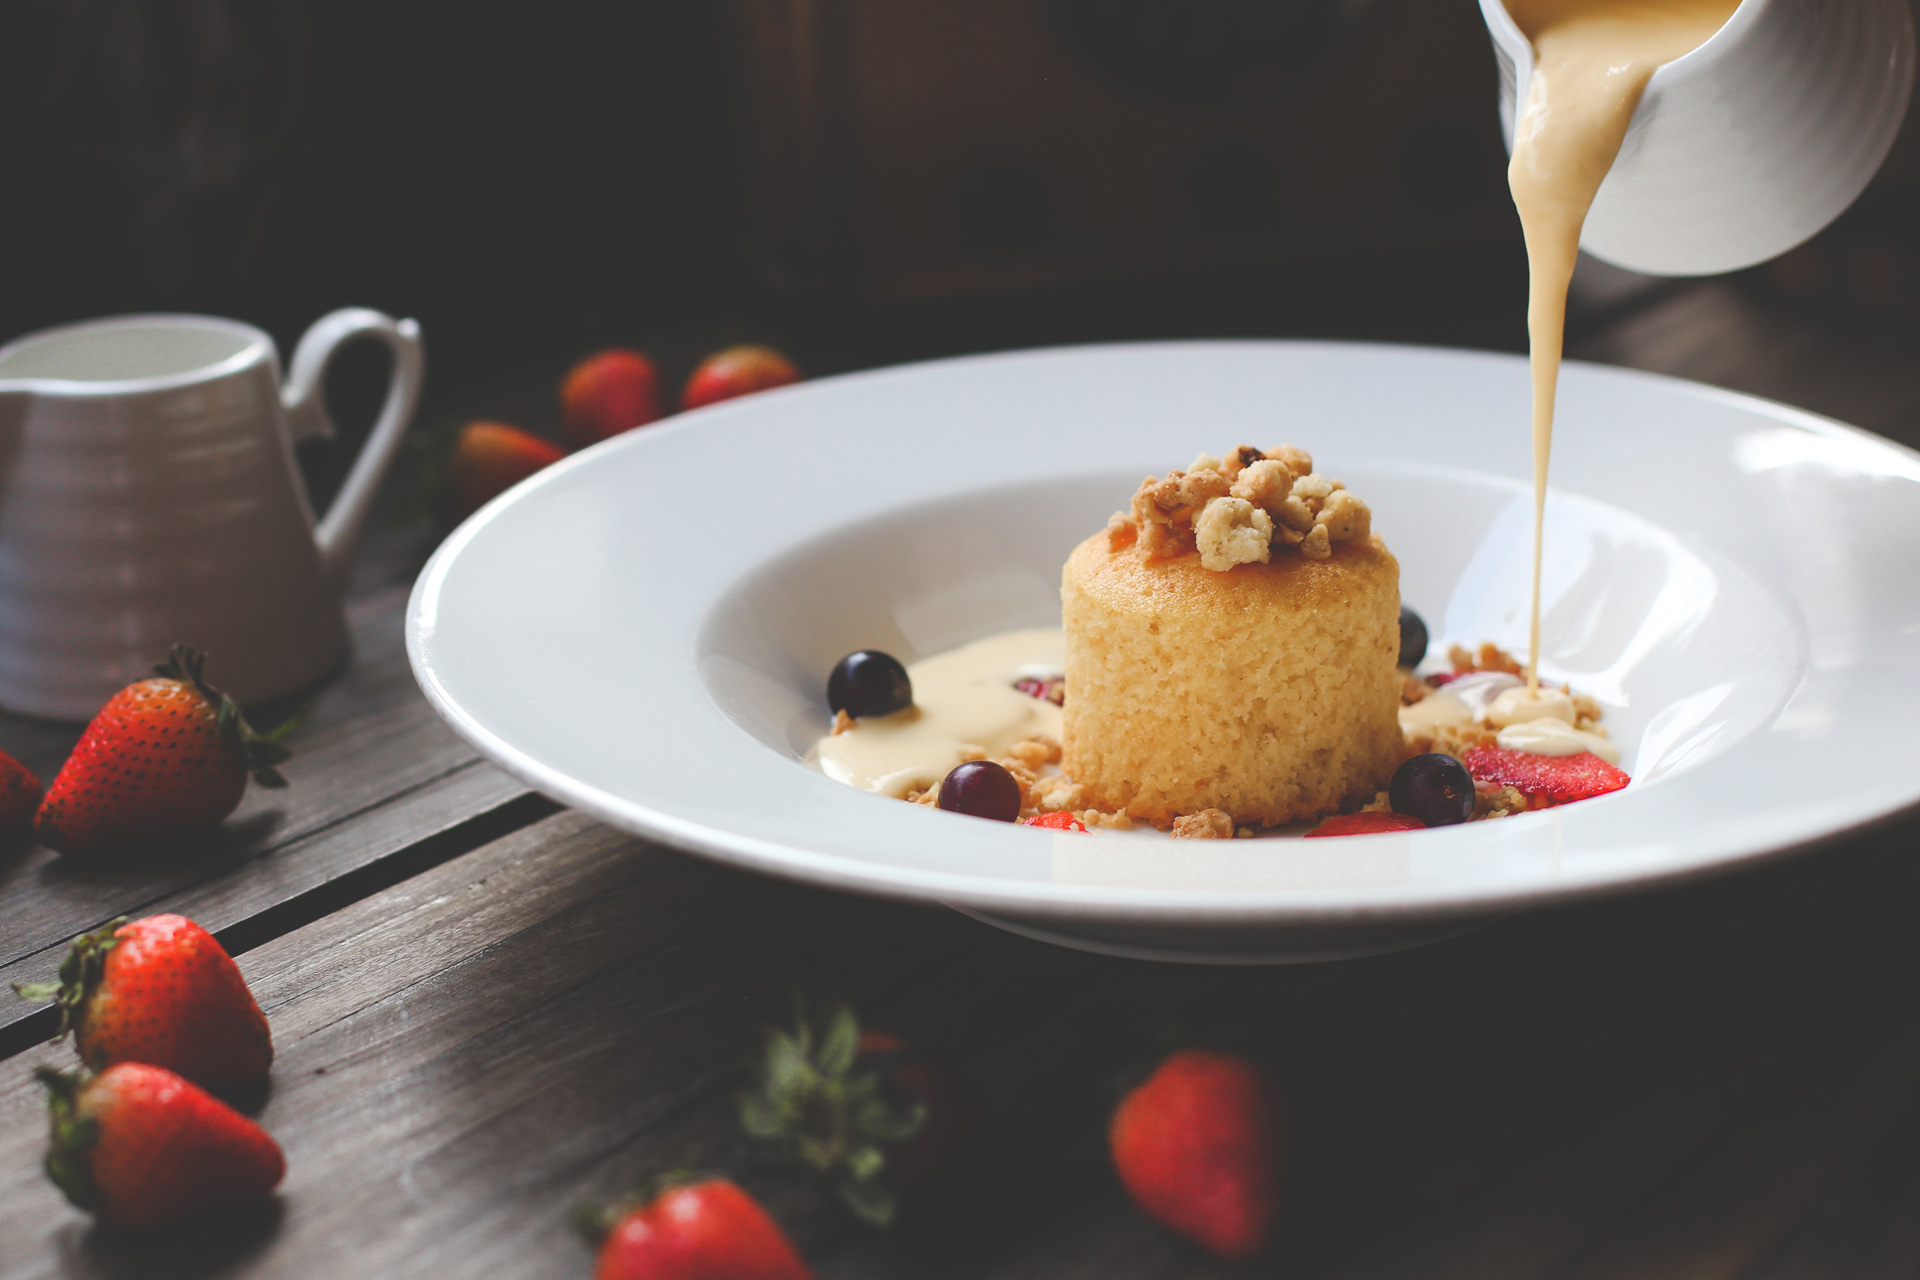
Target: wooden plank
{"x": 554, "y": 1015}
{"x": 372, "y": 743}
{"x": 286, "y": 886}
{"x": 1719, "y": 331}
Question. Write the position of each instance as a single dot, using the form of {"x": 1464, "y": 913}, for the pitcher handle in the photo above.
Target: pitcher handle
{"x": 338, "y": 532}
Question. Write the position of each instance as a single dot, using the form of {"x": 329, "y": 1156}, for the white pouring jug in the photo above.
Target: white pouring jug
{"x": 148, "y": 494}
{"x": 1747, "y": 146}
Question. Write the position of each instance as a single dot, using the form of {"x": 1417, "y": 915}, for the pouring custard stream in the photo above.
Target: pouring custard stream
{"x": 1592, "y": 61}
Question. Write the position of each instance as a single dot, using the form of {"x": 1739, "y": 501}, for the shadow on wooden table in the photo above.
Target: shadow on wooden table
{"x": 211, "y": 1245}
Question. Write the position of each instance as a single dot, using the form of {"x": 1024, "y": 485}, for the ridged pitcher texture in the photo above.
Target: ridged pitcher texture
{"x": 1750, "y": 144}
{"x": 149, "y": 494}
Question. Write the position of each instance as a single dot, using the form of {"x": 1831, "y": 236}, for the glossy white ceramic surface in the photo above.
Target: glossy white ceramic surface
{"x": 148, "y": 494}
{"x": 1738, "y": 581}
{"x": 1750, "y": 144}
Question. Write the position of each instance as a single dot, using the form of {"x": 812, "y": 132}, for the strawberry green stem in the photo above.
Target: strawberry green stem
{"x": 262, "y": 751}
{"x": 70, "y": 1136}
{"x": 80, "y": 972}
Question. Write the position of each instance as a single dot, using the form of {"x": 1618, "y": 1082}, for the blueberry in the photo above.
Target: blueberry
{"x": 1435, "y": 788}
{"x": 869, "y": 683}
{"x": 1413, "y": 638}
{"x": 983, "y": 789}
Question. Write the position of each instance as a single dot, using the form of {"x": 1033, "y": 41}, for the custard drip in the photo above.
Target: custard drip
{"x": 1592, "y": 61}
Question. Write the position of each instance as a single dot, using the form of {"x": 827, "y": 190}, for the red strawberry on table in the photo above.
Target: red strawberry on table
{"x": 1558, "y": 778}
{"x": 705, "y": 1230}
{"x": 138, "y": 1146}
{"x": 165, "y": 755}
{"x": 1362, "y": 824}
{"x": 19, "y": 793}
{"x": 608, "y": 393}
{"x": 1196, "y": 1146}
{"x": 737, "y": 371}
{"x": 488, "y": 459}
{"x": 163, "y": 991}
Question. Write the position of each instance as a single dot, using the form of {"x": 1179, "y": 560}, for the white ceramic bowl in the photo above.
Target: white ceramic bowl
{"x": 644, "y": 631}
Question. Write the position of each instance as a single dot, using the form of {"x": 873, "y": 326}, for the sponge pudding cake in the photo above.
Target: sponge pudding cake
{"x": 1230, "y": 645}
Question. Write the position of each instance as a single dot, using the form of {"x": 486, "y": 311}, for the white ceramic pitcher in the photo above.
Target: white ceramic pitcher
{"x": 1750, "y": 144}
{"x": 148, "y": 494}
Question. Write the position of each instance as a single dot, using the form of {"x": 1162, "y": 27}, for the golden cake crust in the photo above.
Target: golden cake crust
{"x": 1268, "y": 691}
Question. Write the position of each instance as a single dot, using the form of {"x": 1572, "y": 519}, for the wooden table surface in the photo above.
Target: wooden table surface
{"x": 487, "y": 1009}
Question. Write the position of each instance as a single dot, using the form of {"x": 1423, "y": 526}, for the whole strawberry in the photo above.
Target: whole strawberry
{"x": 1196, "y": 1147}
{"x": 19, "y": 794}
{"x": 737, "y": 371}
{"x": 163, "y": 991}
{"x": 138, "y": 1146}
{"x": 165, "y": 755}
{"x": 607, "y": 393}
{"x": 488, "y": 459}
{"x": 705, "y": 1230}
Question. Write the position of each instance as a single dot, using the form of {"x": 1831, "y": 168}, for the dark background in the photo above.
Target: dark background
{"x": 533, "y": 181}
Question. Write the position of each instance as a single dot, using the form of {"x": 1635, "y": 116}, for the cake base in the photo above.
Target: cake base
{"x": 1268, "y": 691}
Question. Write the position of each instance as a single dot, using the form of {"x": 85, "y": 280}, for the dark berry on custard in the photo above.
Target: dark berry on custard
{"x": 983, "y": 789}
{"x": 869, "y": 683}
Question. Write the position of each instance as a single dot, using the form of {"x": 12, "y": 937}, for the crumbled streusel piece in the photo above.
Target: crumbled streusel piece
{"x": 1296, "y": 460}
{"x": 1294, "y": 514}
{"x": 1162, "y": 541}
{"x": 1318, "y": 544}
{"x": 1240, "y": 459}
{"x": 1345, "y": 517}
{"x": 1266, "y": 484}
{"x": 1412, "y": 688}
{"x": 841, "y": 722}
{"x": 1490, "y": 657}
{"x": 1498, "y": 802}
{"x": 972, "y": 751}
{"x": 1056, "y": 793}
{"x": 1208, "y": 824}
{"x": 1122, "y": 532}
{"x": 1096, "y": 818}
{"x": 1175, "y": 498}
{"x": 1232, "y": 531}
{"x": 1034, "y": 752}
{"x": 1021, "y": 774}
{"x": 1204, "y": 462}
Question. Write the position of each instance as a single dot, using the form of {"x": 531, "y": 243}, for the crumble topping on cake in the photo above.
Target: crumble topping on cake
{"x": 1241, "y": 510}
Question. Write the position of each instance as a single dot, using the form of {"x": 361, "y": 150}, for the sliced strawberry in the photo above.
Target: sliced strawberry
{"x": 1061, "y": 821}
{"x": 1362, "y": 824}
{"x": 1558, "y": 778}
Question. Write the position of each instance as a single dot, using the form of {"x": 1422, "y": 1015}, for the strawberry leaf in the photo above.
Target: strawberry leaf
{"x": 871, "y": 1201}
{"x": 822, "y": 1105}
{"x": 840, "y": 1043}
{"x": 80, "y": 971}
{"x": 71, "y": 1136}
{"x": 260, "y": 751}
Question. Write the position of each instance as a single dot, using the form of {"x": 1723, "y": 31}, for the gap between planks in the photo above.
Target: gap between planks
{"x": 251, "y": 928}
